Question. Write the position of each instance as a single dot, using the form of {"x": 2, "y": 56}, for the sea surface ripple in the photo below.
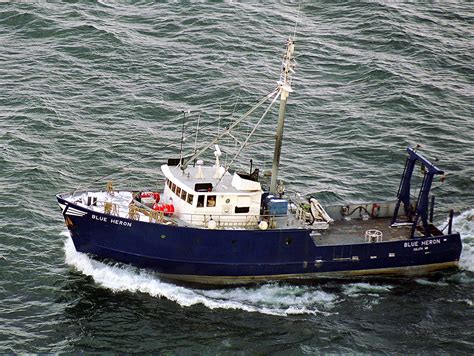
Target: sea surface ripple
{"x": 92, "y": 91}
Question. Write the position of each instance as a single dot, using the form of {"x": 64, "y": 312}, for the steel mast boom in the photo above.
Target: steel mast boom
{"x": 285, "y": 86}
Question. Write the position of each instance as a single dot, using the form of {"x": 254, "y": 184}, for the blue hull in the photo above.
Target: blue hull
{"x": 241, "y": 256}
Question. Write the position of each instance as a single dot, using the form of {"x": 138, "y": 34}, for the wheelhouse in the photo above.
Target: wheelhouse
{"x": 203, "y": 193}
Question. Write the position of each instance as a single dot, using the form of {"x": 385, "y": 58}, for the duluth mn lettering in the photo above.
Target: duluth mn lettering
{"x": 422, "y": 243}
{"x": 112, "y": 221}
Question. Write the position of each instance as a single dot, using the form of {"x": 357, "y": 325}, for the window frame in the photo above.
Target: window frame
{"x": 242, "y": 209}
{"x": 190, "y": 197}
{"x": 200, "y": 198}
{"x": 208, "y": 198}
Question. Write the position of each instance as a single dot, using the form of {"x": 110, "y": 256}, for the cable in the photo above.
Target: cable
{"x": 250, "y": 135}
{"x": 121, "y": 168}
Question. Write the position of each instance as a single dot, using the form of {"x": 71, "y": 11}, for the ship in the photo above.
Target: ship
{"x": 212, "y": 225}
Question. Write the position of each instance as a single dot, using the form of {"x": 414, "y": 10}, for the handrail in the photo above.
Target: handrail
{"x": 247, "y": 220}
{"x": 135, "y": 208}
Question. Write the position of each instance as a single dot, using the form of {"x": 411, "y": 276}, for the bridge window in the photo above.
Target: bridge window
{"x": 183, "y": 194}
{"x": 173, "y": 187}
{"x": 203, "y": 187}
{"x": 200, "y": 202}
{"x": 190, "y": 199}
{"x": 242, "y": 210}
{"x": 178, "y": 191}
{"x": 211, "y": 201}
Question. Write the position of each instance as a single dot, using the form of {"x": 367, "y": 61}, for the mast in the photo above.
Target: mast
{"x": 285, "y": 86}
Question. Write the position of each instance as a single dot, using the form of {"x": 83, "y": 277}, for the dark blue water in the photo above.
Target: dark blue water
{"x": 89, "y": 90}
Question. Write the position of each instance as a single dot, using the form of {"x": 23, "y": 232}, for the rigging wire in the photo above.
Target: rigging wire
{"x": 182, "y": 136}
{"x": 147, "y": 156}
{"x": 243, "y": 145}
{"x": 197, "y": 131}
{"x": 227, "y": 130}
{"x": 296, "y": 22}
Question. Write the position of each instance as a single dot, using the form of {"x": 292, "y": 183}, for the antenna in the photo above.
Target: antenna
{"x": 197, "y": 131}
{"x": 296, "y": 22}
{"x": 182, "y": 138}
{"x": 219, "y": 121}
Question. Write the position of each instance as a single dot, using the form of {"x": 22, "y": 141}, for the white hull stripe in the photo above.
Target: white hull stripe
{"x": 63, "y": 207}
{"x": 75, "y": 214}
{"x": 75, "y": 211}
{"x": 67, "y": 210}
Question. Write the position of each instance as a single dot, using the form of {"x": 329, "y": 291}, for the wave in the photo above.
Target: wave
{"x": 272, "y": 298}
{"x": 464, "y": 224}
{"x": 356, "y": 289}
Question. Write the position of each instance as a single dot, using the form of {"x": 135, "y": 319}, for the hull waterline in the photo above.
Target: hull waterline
{"x": 227, "y": 257}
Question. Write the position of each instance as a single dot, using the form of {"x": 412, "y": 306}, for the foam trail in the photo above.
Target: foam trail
{"x": 273, "y": 299}
{"x": 464, "y": 224}
{"x": 366, "y": 294}
{"x": 427, "y": 282}
{"x": 357, "y": 289}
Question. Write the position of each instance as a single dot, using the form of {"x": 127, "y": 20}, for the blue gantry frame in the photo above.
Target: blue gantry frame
{"x": 403, "y": 195}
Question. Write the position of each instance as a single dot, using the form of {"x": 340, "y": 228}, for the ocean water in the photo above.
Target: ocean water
{"x": 92, "y": 91}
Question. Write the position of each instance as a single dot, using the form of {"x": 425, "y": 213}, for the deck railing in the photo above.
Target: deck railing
{"x": 242, "y": 221}
{"x": 139, "y": 211}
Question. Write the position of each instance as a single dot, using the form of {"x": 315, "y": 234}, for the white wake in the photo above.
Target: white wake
{"x": 464, "y": 224}
{"x": 272, "y": 298}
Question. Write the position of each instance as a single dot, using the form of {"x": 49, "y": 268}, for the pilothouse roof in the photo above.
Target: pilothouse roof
{"x": 195, "y": 178}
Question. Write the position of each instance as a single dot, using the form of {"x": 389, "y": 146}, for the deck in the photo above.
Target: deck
{"x": 353, "y": 231}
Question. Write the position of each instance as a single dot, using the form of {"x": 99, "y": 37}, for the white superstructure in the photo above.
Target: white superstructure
{"x": 201, "y": 194}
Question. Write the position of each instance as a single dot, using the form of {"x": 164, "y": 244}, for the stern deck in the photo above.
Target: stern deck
{"x": 353, "y": 231}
